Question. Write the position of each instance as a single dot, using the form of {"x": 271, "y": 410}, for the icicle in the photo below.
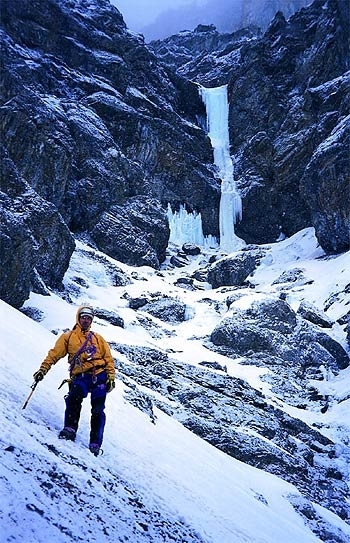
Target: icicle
{"x": 216, "y": 104}
{"x": 186, "y": 227}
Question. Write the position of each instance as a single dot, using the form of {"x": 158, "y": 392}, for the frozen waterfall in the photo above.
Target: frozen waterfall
{"x": 216, "y": 103}
{"x": 186, "y": 227}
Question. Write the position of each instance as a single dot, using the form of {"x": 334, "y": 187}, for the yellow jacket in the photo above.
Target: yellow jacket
{"x": 96, "y": 356}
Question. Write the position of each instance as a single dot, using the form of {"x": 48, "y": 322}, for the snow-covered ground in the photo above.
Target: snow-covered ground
{"x": 154, "y": 482}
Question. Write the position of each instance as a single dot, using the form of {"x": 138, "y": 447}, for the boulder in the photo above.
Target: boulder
{"x": 234, "y": 270}
{"x": 167, "y": 309}
{"x": 312, "y": 314}
{"x": 191, "y": 249}
{"x": 270, "y": 328}
{"x": 110, "y": 316}
{"x": 291, "y": 278}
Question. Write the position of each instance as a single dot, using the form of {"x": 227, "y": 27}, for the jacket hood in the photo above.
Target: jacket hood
{"x": 88, "y": 308}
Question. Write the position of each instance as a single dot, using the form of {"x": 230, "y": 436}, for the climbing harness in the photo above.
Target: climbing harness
{"x": 90, "y": 350}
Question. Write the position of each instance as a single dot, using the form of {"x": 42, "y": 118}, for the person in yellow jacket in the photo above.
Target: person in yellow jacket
{"x": 91, "y": 369}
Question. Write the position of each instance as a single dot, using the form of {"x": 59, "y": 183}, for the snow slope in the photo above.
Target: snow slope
{"x": 154, "y": 482}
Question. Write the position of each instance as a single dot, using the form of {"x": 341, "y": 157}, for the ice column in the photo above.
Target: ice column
{"x": 216, "y": 104}
{"x": 186, "y": 227}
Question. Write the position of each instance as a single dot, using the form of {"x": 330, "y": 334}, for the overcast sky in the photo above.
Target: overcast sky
{"x": 157, "y": 19}
{"x": 139, "y": 13}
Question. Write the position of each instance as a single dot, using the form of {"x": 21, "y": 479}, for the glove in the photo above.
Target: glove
{"x": 110, "y": 383}
{"x": 39, "y": 375}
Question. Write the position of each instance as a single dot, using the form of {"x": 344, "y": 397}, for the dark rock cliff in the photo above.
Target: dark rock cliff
{"x": 89, "y": 120}
{"x": 288, "y": 117}
{"x": 99, "y": 129}
{"x": 295, "y": 81}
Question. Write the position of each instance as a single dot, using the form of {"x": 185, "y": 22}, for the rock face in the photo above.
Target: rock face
{"x": 232, "y": 416}
{"x": 35, "y": 243}
{"x": 286, "y": 146}
{"x": 288, "y": 118}
{"x": 93, "y": 122}
{"x": 136, "y": 233}
{"x": 196, "y": 54}
{"x": 325, "y": 183}
{"x": 89, "y": 120}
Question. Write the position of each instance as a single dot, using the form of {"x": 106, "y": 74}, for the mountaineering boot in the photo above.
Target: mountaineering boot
{"x": 67, "y": 433}
{"x": 94, "y": 448}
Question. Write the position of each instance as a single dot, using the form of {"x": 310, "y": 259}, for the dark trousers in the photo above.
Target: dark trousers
{"x": 80, "y": 387}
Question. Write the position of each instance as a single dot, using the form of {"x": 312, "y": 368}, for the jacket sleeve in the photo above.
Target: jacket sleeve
{"x": 107, "y": 357}
{"x": 59, "y": 350}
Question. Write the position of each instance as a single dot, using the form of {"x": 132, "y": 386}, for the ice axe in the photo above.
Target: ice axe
{"x": 33, "y": 387}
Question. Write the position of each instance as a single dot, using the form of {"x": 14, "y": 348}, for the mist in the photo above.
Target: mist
{"x": 158, "y": 19}
{"x": 138, "y": 14}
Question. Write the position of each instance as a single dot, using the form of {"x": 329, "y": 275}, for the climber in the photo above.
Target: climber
{"x": 92, "y": 370}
